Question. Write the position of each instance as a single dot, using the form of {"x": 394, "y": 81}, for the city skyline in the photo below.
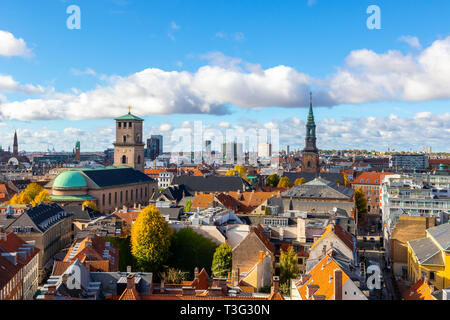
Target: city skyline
{"x": 372, "y": 90}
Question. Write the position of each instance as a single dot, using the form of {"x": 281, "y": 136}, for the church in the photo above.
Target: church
{"x": 310, "y": 154}
{"x": 111, "y": 187}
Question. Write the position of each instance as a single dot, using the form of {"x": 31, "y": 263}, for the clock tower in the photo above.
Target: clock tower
{"x": 129, "y": 148}
{"x": 310, "y": 155}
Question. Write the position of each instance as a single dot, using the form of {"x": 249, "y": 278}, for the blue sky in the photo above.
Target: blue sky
{"x": 119, "y": 39}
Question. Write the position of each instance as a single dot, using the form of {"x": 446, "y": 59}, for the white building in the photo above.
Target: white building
{"x": 264, "y": 150}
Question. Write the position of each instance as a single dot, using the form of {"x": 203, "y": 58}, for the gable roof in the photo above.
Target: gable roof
{"x": 426, "y": 251}
{"x": 211, "y": 183}
{"x": 345, "y": 236}
{"x": 319, "y": 277}
{"x": 370, "y": 178}
{"x": 419, "y": 291}
{"x": 441, "y": 234}
{"x": 116, "y": 176}
{"x": 319, "y": 189}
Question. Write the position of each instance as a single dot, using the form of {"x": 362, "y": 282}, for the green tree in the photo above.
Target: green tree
{"x": 123, "y": 244}
{"x": 221, "y": 264}
{"x": 284, "y": 183}
{"x": 189, "y": 250}
{"x": 272, "y": 180}
{"x": 288, "y": 265}
{"x": 150, "y": 240}
{"x": 187, "y": 206}
{"x": 299, "y": 181}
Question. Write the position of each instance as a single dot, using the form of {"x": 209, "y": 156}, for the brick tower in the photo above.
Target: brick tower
{"x": 310, "y": 154}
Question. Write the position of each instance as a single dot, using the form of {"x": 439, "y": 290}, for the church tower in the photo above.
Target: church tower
{"x": 129, "y": 148}
{"x": 310, "y": 154}
{"x": 15, "y": 145}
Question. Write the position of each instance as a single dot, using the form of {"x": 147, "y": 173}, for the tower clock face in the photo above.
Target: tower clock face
{"x": 124, "y": 151}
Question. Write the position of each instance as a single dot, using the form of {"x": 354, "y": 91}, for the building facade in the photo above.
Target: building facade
{"x": 129, "y": 148}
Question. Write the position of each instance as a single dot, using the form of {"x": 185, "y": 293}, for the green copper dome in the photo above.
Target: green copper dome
{"x": 70, "y": 179}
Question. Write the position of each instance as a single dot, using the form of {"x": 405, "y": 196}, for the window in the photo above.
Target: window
{"x": 109, "y": 198}
{"x": 124, "y": 159}
{"x": 115, "y": 197}
{"x": 124, "y": 125}
{"x": 121, "y": 199}
{"x": 124, "y": 138}
{"x": 432, "y": 275}
{"x": 129, "y": 124}
{"x": 103, "y": 200}
{"x": 126, "y": 196}
{"x": 300, "y": 260}
{"x": 139, "y": 159}
{"x": 119, "y": 124}
{"x": 131, "y": 196}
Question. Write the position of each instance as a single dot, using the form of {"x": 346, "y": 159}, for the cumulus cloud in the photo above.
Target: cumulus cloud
{"x": 366, "y": 76}
{"x": 8, "y": 85}
{"x": 11, "y": 46}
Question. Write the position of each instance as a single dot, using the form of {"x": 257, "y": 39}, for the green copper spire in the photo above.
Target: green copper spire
{"x": 310, "y": 114}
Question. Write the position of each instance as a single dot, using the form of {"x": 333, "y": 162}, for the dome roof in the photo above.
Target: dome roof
{"x": 70, "y": 179}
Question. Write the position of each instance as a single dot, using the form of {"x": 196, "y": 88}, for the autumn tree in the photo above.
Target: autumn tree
{"x": 221, "y": 264}
{"x": 299, "y": 181}
{"x": 150, "y": 239}
{"x": 240, "y": 169}
{"x": 360, "y": 201}
{"x": 272, "y": 180}
{"x": 33, "y": 190}
{"x": 173, "y": 276}
{"x": 346, "y": 181}
{"x": 284, "y": 182}
{"x": 90, "y": 204}
{"x": 42, "y": 197}
{"x": 288, "y": 265}
{"x": 188, "y": 205}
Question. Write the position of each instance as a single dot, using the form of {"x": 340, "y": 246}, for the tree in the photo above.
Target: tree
{"x": 299, "y": 181}
{"x": 360, "y": 201}
{"x": 150, "y": 239}
{"x": 32, "y": 190}
{"x": 14, "y": 199}
{"x": 288, "y": 265}
{"x": 42, "y": 197}
{"x": 90, "y": 204}
{"x": 187, "y": 206}
{"x": 189, "y": 250}
{"x": 272, "y": 180}
{"x": 267, "y": 211}
{"x": 346, "y": 181}
{"x": 221, "y": 264}
{"x": 173, "y": 276}
{"x": 24, "y": 198}
{"x": 284, "y": 183}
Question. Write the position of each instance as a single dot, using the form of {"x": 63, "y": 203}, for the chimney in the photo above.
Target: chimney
{"x": 337, "y": 284}
{"x": 125, "y": 209}
{"x": 281, "y": 233}
{"x": 261, "y": 256}
{"x": 3, "y": 234}
{"x": 276, "y": 284}
{"x": 130, "y": 281}
{"x": 301, "y": 230}
{"x": 196, "y": 273}
{"x": 139, "y": 206}
{"x": 235, "y": 277}
{"x": 162, "y": 287}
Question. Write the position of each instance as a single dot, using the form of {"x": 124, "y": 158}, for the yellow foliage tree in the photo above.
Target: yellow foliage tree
{"x": 32, "y": 190}
{"x": 14, "y": 199}
{"x": 150, "y": 239}
{"x": 284, "y": 183}
{"x": 24, "y": 198}
{"x": 299, "y": 181}
{"x": 42, "y": 197}
{"x": 90, "y": 204}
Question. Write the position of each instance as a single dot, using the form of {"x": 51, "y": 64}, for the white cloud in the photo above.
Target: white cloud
{"x": 87, "y": 71}
{"x": 8, "y": 84}
{"x": 412, "y": 41}
{"x": 239, "y": 36}
{"x": 11, "y": 46}
{"x": 174, "y": 26}
{"x": 366, "y": 76}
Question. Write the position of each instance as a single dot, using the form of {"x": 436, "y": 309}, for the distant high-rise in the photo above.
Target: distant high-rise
{"x": 155, "y": 146}
{"x": 310, "y": 154}
{"x": 15, "y": 145}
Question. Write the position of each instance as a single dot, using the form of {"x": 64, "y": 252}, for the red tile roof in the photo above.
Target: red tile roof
{"x": 370, "y": 178}
{"x": 419, "y": 291}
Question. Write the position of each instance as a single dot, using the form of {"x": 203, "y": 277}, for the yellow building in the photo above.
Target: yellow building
{"x": 429, "y": 257}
